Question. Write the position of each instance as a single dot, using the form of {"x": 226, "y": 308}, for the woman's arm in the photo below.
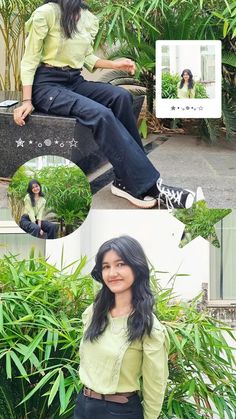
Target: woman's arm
{"x": 26, "y": 108}
{"x": 37, "y": 28}
{"x": 155, "y": 370}
{"x": 192, "y": 92}
{"x": 28, "y": 209}
{"x": 125, "y": 64}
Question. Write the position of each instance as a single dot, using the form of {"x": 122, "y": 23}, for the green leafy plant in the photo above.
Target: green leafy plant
{"x": 40, "y": 331}
{"x": 132, "y": 29}
{"x": 200, "y": 221}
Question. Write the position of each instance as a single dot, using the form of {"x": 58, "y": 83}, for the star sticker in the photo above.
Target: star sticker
{"x": 73, "y": 143}
{"x": 173, "y": 108}
{"x": 30, "y": 142}
{"x": 56, "y": 142}
{"x": 200, "y": 221}
{"x": 20, "y": 143}
{"x": 200, "y": 108}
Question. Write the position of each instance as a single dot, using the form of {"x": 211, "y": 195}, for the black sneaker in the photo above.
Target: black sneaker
{"x": 173, "y": 197}
{"x": 142, "y": 201}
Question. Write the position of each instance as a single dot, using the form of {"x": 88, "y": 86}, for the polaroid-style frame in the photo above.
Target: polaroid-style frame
{"x": 199, "y": 97}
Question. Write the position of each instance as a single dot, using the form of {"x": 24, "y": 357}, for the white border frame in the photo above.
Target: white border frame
{"x": 198, "y": 108}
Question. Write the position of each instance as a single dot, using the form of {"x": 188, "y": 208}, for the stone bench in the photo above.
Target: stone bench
{"x": 47, "y": 135}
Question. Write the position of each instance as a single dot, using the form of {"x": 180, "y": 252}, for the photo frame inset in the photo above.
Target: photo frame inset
{"x": 188, "y": 79}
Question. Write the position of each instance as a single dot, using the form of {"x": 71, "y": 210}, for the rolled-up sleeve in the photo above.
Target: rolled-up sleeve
{"x": 28, "y": 209}
{"x": 155, "y": 371}
{"x": 41, "y": 209}
{"x": 37, "y": 28}
{"x": 91, "y": 58}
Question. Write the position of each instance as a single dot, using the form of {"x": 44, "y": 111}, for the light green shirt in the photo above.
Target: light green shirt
{"x": 36, "y": 212}
{"x": 112, "y": 364}
{"x": 186, "y": 93}
{"x": 46, "y": 42}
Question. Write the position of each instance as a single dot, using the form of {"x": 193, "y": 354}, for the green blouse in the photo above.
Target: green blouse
{"x": 186, "y": 93}
{"x": 36, "y": 212}
{"x": 111, "y": 364}
{"x": 46, "y": 42}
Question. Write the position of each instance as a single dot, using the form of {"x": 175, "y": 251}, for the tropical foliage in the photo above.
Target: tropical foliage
{"x": 40, "y": 331}
{"x": 132, "y": 29}
{"x": 200, "y": 221}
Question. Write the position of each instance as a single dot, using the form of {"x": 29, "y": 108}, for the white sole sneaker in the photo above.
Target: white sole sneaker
{"x": 190, "y": 199}
{"x": 147, "y": 202}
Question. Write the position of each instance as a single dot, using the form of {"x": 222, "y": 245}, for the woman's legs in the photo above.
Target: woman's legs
{"x": 49, "y": 228}
{"x": 28, "y": 226}
{"x": 56, "y": 91}
{"x": 119, "y": 100}
{"x": 122, "y": 150}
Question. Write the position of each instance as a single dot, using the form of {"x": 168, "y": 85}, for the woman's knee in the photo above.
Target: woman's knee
{"x": 123, "y": 95}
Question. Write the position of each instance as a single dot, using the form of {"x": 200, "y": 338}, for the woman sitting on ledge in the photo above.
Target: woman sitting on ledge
{"x": 32, "y": 221}
{"x": 59, "y": 44}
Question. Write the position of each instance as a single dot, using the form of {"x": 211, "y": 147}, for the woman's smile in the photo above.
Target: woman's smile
{"x": 116, "y": 274}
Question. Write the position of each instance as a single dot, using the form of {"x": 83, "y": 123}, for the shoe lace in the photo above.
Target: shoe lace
{"x": 170, "y": 195}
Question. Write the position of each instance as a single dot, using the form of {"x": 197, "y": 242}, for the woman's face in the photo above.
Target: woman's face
{"x": 186, "y": 76}
{"x": 35, "y": 188}
{"x": 117, "y": 275}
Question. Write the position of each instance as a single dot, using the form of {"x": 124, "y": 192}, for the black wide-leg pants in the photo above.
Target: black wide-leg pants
{"x": 88, "y": 408}
{"x": 34, "y": 229}
{"x": 107, "y": 111}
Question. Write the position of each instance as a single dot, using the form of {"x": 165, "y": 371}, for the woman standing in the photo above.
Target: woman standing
{"x": 32, "y": 218}
{"x": 59, "y": 44}
{"x": 186, "y": 89}
{"x": 123, "y": 344}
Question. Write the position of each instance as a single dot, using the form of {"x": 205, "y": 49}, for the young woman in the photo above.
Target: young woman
{"x": 186, "y": 89}
{"x": 59, "y": 44}
{"x": 124, "y": 347}
{"x": 33, "y": 213}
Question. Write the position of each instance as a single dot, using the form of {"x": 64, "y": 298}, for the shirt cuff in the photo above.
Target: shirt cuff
{"x": 27, "y": 78}
{"x": 90, "y": 61}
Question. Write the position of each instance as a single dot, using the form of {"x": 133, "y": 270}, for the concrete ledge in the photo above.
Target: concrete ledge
{"x": 47, "y": 134}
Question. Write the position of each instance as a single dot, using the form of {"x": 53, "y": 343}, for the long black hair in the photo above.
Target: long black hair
{"x": 190, "y": 80}
{"x": 70, "y": 14}
{"x": 30, "y": 192}
{"x": 141, "y": 319}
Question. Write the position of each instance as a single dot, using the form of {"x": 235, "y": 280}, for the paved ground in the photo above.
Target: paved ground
{"x": 185, "y": 161}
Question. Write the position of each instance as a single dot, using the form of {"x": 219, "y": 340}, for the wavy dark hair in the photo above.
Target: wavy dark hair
{"x": 30, "y": 192}
{"x": 190, "y": 81}
{"x": 140, "y": 321}
{"x": 70, "y": 14}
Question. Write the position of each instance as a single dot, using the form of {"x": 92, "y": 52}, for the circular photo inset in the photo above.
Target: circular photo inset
{"x": 49, "y": 196}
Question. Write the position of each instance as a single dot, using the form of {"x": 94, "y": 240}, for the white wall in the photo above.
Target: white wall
{"x": 158, "y": 232}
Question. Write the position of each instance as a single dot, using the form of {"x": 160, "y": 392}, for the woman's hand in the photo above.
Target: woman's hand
{"x": 21, "y": 113}
{"x": 126, "y": 64}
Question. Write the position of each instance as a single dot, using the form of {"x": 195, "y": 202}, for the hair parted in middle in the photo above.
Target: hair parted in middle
{"x": 70, "y": 14}
{"x": 190, "y": 81}
{"x": 140, "y": 321}
{"x": 30, "y": 192}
